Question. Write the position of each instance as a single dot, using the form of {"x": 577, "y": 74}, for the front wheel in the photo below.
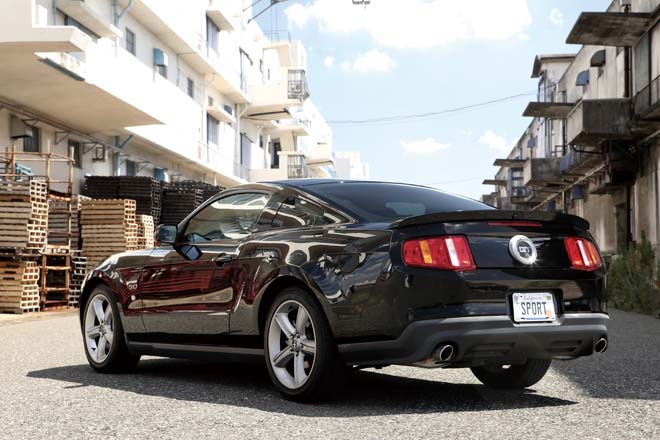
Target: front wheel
{"x": 513, "y": 376}
{"x": 301, "y": 355}
{"x": 103, "y": 334}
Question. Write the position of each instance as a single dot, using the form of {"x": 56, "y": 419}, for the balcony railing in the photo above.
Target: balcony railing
{"x": 297, "y": 167}
{"x": 648, "y": 97}
{"x": 298, "y": 84}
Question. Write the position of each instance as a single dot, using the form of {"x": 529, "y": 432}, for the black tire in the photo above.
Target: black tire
{"x": 119, "y": 359}
{"x": 515, "y": 376}
{"x": 328, "y": 373}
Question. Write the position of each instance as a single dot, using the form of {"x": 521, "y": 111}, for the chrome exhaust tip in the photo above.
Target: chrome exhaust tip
{"x": 601, "y": 345}
{"x": 444, "y": 353}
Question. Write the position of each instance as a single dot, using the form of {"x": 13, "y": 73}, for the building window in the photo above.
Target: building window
{"x": 32, "y": 144}
{"x": 212, "y": 31}
{"x": 68, "y": 21}
{"x": 162, "y": 71}
{"x": 131, "y": 168}
{"x": 212, "y": 126}
{"x": 130, "y": 41}
{"x": 191, "y": 88}
{"x": 76, "y": 151}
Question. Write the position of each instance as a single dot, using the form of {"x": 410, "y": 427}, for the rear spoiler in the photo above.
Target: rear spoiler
{"x": 494, "y": 214}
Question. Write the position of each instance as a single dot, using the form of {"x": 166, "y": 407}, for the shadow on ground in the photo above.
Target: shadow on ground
{"x": 629, "y": 369}
{"x": 368, "y": 393}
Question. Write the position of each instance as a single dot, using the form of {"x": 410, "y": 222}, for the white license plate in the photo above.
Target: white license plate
{"x": 534, "y": 307}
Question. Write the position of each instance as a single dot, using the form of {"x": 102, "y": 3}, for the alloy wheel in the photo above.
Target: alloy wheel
{"x": 99, "y": 328}
{"x": 292, "y": 344}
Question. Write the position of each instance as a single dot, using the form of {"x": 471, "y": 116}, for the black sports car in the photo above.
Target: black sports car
{"x": 323, "y": 276}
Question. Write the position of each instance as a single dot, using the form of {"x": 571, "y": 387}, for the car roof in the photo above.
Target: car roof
{"x": 302, "y": 183}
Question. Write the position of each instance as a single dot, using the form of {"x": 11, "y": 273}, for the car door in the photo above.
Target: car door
{"x": 188, "y": 299}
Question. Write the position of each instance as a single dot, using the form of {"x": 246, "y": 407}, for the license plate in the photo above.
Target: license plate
{"x": 533, "y": 307}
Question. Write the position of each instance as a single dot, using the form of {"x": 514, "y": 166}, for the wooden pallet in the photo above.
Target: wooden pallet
{"x": 24, "y": 219}
{"x": 19, "y": 289}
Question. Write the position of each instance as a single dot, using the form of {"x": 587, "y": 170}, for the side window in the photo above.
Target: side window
{"x": 296, "y": 213}
{"x": 229, "y": 218}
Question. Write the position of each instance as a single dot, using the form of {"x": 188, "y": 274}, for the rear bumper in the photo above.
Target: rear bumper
{"x": 484, "y": 339}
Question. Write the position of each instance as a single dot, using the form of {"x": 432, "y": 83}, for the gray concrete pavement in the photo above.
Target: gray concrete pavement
{"x": 48, "y": 391}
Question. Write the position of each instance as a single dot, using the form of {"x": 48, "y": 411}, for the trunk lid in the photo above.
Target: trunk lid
{"x": 490, "y": 233}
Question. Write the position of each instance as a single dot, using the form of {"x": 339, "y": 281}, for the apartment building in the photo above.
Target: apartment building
{"x": 592, "y": 146}
{"x": 162, "y": 88}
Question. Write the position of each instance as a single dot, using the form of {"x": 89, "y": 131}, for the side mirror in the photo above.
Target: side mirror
{"x": 166, "y": 234}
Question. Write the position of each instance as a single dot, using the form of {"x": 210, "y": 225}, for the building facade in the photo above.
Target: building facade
{"x": 592, "y": 146}
{"x": 164, "y": 88}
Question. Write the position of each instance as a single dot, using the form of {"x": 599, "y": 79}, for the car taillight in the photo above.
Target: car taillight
{"x": 582, "y": 253}
{"x": 448, "y": 253}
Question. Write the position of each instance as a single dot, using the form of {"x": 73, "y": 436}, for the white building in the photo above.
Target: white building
{"x": 349, "y": 165}
{"x": 163, "y": 88}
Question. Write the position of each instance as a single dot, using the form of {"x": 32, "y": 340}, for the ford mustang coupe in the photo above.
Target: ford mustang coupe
{"x": 322, "y": 277}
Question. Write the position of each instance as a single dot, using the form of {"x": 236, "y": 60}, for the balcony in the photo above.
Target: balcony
{"x": 88, "y": 17}
{"x": 220, "y": 11}
{"x": 542, "y": 172}
{"x": 290, "y": 91}
{"x": 609, "y": 28}
{"x": 489, "y": 199}
{"x": 296, "y": 126}
{"x": 220, "y": 113}
{"x": 578, "y": 162}
{"x": 548, "y": 110}
{"x": 26, "y": 30}
{"x": 595, "y": 120}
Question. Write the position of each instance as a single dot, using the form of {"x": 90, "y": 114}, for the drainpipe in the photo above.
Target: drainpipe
{"x": 627, "y": 80}
{"x": 118, "y": 15}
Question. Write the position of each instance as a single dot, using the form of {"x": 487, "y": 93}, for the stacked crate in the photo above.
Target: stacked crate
{"x": 208, "y": 190}
{"x": 19, "y": 288}
{"x": 108, "y": 227}
{"x": 24, "y": 219}
{"x": 78, "y": 273}
{"x": 145, "y": 231}
{"x": 145, "y": 191}
{"x": 178, "y": 203}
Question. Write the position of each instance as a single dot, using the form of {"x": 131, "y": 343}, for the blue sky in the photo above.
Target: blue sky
{"x": 427, "y": 56}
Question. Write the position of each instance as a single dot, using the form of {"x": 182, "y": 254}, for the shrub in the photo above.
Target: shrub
{"x": 632, "y": 280}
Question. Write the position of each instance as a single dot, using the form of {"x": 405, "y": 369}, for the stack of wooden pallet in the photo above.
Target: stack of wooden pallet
{"x": 108, "y": 227}
{"x": 178, "y": 203}
{"x": 58, "y": 218}
{"x": 145, "y": 231}
{"x": 78, "y": 273}
{"x": 19, "y": 288}
{"x": 24, "y": 214}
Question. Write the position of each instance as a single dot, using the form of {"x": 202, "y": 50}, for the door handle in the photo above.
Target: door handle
{"x": 222, "y": 259}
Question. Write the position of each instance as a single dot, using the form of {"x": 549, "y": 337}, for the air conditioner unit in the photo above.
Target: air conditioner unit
{"x": 160, "y": 58}
{"x": 19, "y": 129}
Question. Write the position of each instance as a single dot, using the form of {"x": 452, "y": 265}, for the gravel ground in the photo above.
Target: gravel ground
{"x": 48, "y": 391}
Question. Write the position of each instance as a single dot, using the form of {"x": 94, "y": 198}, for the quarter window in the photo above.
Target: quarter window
{"x": 296, "y": 213}
{"x": 230, "y": 218}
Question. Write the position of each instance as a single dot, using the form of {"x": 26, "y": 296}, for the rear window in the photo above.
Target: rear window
{"x": 388, "y": 202}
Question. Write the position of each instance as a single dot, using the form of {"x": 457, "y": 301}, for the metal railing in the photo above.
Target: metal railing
{"x": 297, "y": 84}
{"x": 648, "y": 97}
{"x": 297, "y": 167}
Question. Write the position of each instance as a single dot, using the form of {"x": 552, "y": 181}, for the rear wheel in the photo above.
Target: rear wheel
{"x": 301, "y": 355}
{"x": 513, "y": 376}
{"x": 103, "y": 334}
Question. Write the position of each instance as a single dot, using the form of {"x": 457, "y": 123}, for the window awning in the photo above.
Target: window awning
{"x": 609, "y": 28}
{"x": 511, "y": 163}
{"x": 549, "y": 110}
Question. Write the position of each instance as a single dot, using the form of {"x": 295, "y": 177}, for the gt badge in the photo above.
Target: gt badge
{"x": 523, "y": 249}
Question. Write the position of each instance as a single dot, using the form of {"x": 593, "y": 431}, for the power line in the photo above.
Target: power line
{"x": 398, "y": 119}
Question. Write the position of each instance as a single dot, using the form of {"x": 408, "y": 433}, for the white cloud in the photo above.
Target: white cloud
{"x": 556, "y": 17}
{"x": 417, "y": 23}
{"x": 426, "y": 146}
{"x": 494, "y": 141}
{"x": 329, "y": 61}
{"x": 372, "y": 61}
